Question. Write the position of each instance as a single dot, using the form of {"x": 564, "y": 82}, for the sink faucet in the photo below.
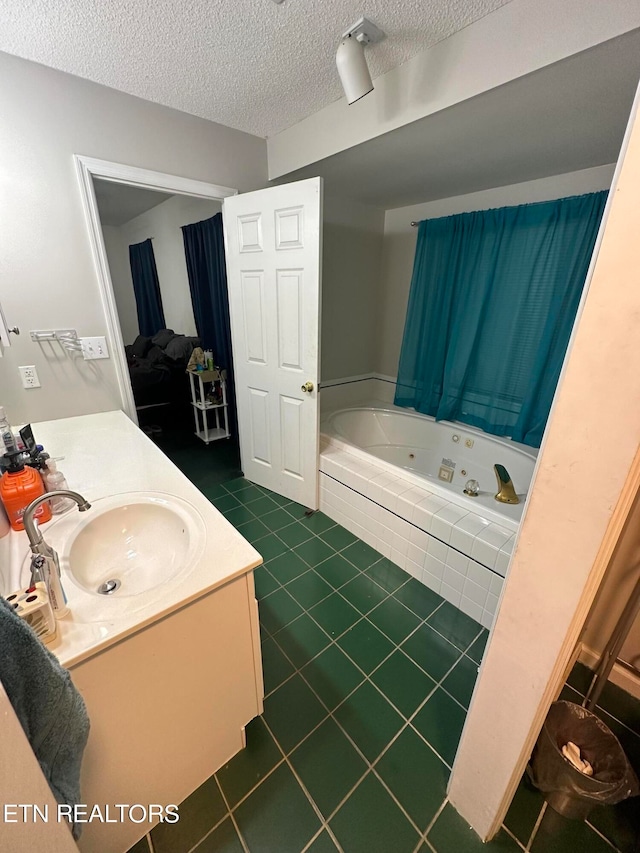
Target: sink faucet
{"x": 36, "y": 542}
{"x": 41, "y": 569}
{"x": 506, "y": 492}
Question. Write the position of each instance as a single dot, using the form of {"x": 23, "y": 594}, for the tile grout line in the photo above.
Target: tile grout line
{"x": 508, "y": 832}
{"x": 334, "y": 641}
{"x": 407, "y": 720}
{"x": 211, "y": 830}
{"x": 323, "y": 828}
{"x": 371, "y": 765}
{"x": 364, "y": 571}
{"x": 232, "y": 816}
{"x": 324, "y": 824}
{"x": 433, "y": 820}
{"x": 398, "y": 647}
{"x": 389, "y": 594}
{"x": 603, "y": 837}
{"x": 251, "y": 790}
{"x": 536, "y": 826}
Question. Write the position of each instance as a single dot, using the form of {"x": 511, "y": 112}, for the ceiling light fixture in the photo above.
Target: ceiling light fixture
{"x": 350, "y": 59}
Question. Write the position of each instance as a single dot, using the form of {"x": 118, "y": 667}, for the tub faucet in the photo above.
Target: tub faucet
{"x": 36, "y": 542}
{"x": 506, "y": 493}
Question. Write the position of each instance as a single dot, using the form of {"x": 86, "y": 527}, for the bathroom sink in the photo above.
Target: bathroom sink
{"x": 126, "y": 546}
{"x": 132, "y": 548}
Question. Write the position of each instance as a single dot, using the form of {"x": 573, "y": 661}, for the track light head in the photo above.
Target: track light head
{"x": 351, "y": 61}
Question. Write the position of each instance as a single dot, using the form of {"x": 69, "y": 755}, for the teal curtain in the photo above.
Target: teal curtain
{"x": 493, "y": 298}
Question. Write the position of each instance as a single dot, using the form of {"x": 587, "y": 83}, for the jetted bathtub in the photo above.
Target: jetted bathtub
{"x": 435, "y": 451}
{"x": 396, "y": 479}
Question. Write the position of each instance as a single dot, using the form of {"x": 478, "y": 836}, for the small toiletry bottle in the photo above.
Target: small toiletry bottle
{"x": 54, "y": 480}
{"x": 208, "y": 358}
{"x": 19, "y": 485}
{"x": 7, "y": 441}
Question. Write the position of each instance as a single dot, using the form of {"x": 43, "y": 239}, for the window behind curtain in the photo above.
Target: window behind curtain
{"x": 493, "y": 298}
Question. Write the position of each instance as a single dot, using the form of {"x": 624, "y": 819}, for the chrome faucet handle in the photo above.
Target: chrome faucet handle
{"x": 35, "y": 534}
{"x": 36, "y": 542}
{"x": 506, "y": 492}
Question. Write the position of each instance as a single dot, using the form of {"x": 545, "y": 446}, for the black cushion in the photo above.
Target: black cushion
{"x": 155, "y": 356}
{"x": 179, "y": 348}
{"x": 162, "y": 338}
{"x": 140, "y": 347}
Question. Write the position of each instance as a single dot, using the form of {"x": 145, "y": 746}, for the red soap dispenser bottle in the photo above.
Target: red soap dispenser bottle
{"x": 20, "y": 485}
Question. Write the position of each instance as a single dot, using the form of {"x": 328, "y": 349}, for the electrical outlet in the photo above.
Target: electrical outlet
{"x": 94, "y": 348}
{"x": 29, "y": 376}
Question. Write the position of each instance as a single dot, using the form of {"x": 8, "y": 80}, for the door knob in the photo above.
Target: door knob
{"x": 308, "y": 386}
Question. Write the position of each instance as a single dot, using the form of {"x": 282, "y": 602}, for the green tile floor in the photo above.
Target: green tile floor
{"x": 368, "y": 675}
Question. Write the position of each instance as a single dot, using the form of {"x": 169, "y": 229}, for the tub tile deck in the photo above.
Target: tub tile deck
{"x": 434, "y": 540}
{"x": 362, "y": 666}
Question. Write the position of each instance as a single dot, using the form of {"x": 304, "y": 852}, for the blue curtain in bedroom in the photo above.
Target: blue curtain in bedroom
{"x": 207, "y": 271}
{"x": 493, "y": 298}
{"x": 146, "y": 288}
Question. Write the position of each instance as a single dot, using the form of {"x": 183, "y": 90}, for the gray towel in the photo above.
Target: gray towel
{"x": 49, "y": 707}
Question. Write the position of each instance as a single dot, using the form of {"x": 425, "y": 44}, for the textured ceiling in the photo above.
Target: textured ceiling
{"x": 249, "y": 64}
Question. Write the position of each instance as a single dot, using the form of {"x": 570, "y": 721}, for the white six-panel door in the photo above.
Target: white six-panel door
{"x": 273, "y": 244}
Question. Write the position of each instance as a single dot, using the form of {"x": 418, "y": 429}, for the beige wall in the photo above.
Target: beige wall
{"x": 47, "y": 275}
{"x": 400, "y": 244}
{"x": 352, "y": 250}
{"x": 514, "y": 40}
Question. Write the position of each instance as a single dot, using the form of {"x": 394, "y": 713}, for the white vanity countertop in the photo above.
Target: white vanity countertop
{"x": 104, "y": 455}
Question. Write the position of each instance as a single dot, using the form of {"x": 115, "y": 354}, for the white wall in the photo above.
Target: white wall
{"x": 400, "y": 244}
{"x": 162, "y": 223}
{"x": 47, "y": 274}
{"x": 514, "y": 40}
{"x": 352, "y": 251}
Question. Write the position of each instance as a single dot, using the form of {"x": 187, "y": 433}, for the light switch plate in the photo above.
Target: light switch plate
{"x": 93, "y": 348}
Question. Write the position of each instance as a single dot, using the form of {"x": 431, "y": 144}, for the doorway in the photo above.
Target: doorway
{"x": 136, "y": 219}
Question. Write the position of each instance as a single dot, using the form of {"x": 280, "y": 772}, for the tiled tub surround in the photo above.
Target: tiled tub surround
{"x": 424, "y": 527}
